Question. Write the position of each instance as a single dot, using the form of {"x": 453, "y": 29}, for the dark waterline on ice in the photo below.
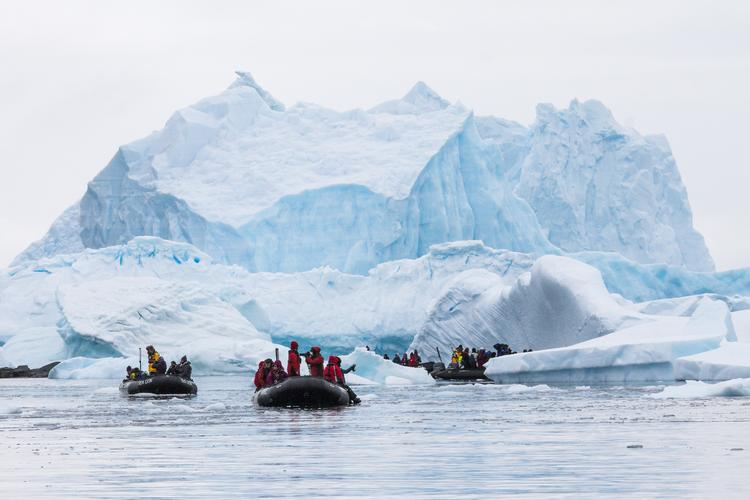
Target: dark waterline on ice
{"x": 83, "y": 439}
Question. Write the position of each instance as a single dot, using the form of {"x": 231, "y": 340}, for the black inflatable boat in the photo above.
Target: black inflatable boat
{"x": 303, "y": 392}
{"x": 159, "y": 384}
{"x": 457, "y": 374}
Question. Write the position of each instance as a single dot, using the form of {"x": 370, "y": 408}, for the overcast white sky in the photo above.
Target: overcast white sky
{"x": 79, "y": 78}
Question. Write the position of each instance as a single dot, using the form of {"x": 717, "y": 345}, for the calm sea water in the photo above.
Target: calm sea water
{"x": 83, "y": 439}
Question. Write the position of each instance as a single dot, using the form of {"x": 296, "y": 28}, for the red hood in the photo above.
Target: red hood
{"x": 294, "y": 344}
{"x": 315, "y": 349}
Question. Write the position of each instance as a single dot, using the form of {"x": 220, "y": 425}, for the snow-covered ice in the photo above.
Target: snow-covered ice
{"x": 559, "y": 302}
{"x": 275, "y": 188}
{"x": 582, "y": 164}
{"x": 695, "y": 389}
{"x": 373, "y": 367}
{"x": 107, "y": 302}
{"x": 728, "y": 361}
{"x": 645, "y": 351}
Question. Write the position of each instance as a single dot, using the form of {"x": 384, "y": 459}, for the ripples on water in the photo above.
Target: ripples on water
{"x": 83, "y": 439}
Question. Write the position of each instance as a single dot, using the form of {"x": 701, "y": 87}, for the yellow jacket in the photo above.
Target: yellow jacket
{"x": 152, "y": 359}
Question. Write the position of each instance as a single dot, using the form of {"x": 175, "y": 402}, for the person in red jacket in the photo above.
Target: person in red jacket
{"x": 314, "y": 362}
{"x": 413, "y": 359}
{"x": 276, "y": 374}
{"x": 334, "y": 374}
{"x": 292, "y": 366}
{"x": 264, "y": 368}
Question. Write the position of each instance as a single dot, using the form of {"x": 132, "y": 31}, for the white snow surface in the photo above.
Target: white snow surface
{"x": 110, "y": 301}
{"x": 125, "y": 313}
{"x": 271, "y": 188}
{"x": 373, "y": 367}
{"x": 244, "y": 156}
{"x": 80, "y": 367}
{"x": 730, "y": 360}
{"x": 596, "y": 185}
{"x": 693, "y": 389}
{"x": 559, "y": 302}
{"x": 105, "y": 303}
{"x": 645, "y": 351}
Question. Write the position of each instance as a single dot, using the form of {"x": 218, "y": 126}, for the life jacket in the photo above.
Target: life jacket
{"x": 152, "y": 359}
{"x": 332, "y": 372}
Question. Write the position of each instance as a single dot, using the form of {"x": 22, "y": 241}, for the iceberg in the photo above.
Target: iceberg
{"x": 463, "y": 292}
{"x": 559, "y": 302}
{"x": 373, "y": 367}
{"x": 253, "y": 182}
{"x": 729, "y": 361}
{"x": 596, "y": 185}
{"x": 645, "y": 351}
{"x": 114, "y": 317}
{"x": 92, "y": 368}
{"x": 693, "y": 389}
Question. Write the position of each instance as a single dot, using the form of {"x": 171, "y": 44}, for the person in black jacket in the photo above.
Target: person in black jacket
{"x": 185, "y": 369}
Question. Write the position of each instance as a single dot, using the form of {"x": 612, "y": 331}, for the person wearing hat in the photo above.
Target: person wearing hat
{"x": 292, "y": 366}
{"x": 315, "y": 362}
{"x": 264, "y": 368}
{"x": 276, "y": 374}
{"x": 184, "y": 368}
{"x": 334, "y": 374}
{"x": 156, "y": 364}
{"x": 172, "y": 370}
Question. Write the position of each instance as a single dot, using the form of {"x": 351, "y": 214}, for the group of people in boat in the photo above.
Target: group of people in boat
{"x": 464, "y": 359}
{"x": 408, "y": 358}
{"x": 158, "y": 366}
{"x": 272, "y": 372}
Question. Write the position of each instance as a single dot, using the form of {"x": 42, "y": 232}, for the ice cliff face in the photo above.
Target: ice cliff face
{"x": 271, "y": 188}
{"x": 596, "y": 185}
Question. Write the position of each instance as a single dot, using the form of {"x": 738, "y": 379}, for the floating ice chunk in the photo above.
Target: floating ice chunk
{"x": 642, "y": 352}
{"x": 382, "y": 371}
{"x": 560, "y": 302}
{"x": 120, "y": 315}
{"x": 696, "y": 389}
{"x": 354, "y": 379}
{"x": 34, "y": 347}
{"x": 520, "y": 388}
{"x": 215, "y": 407}
{"x": 729, "y": 361}
{"x": 393, "y": 380}
{"x": 741, "y": 321}
{"x": 92, "y": 368}
{"x": 7, "y": 409}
